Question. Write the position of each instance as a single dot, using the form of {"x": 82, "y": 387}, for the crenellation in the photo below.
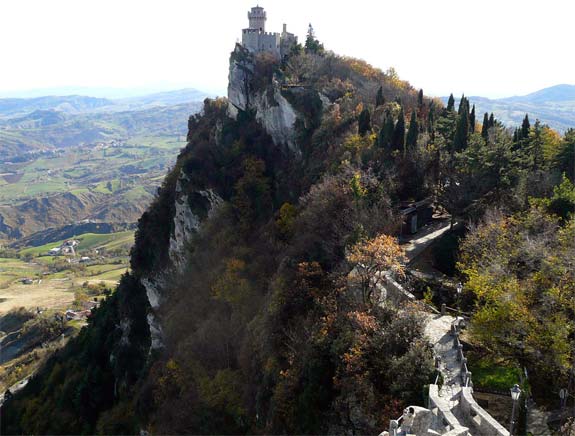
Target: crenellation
{"x": 256, "y": 39}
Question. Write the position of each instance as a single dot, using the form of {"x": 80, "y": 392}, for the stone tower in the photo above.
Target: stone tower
{"x": 257, "y": 17}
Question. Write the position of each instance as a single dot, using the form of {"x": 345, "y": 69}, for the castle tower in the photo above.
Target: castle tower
{"x": 257, "y": 17}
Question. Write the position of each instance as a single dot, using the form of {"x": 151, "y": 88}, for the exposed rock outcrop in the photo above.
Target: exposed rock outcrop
{"x": 191, "y": 208}
{"x": 271, "y": 108}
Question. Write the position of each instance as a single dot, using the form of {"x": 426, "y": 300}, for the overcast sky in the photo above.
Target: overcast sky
{"x": 492, "y": 48}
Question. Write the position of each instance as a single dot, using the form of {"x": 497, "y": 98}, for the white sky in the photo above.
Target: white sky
{"x": 492, "y": 48}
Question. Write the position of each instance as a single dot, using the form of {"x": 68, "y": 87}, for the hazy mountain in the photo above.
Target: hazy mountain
{"x": 554, "y": 106}
{"x": 165, "y": 98}
{"x": 51, "y": 129}
{"x": 78, "y": 104}
{"x": 12, "y": 107}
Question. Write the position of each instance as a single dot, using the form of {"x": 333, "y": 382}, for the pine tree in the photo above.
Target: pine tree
{"x": 312, "y": 45}
{"x": 364, "y": 122}
{"x": 398, "y": 139}
{"x": 379, "y": 98}
{"x": 386, "y": 133}
{"x": 472, "y": 120}
{"x": 412, "y": 132}
{"x": 485, "y": 126}
{"x": 451, "y": 103}
{"x": 525, "y": 128}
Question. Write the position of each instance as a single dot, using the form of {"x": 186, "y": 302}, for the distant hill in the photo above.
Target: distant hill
{"x": 14, "y": 107}
{"x": 554, "y": 106}
{"x": 167, "y": 98}
{"x": 79, "y": 104}
{"x": 51, "y": 129}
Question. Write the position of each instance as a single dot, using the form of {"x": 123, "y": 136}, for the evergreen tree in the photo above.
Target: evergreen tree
{"x": 420, "y": 98}
{"x": 398, "y": 139}
{"x": 463, "y": 105}
{"x": 472, "y": 120}
{"x": 312, "y": 45}
{"x": 536, "y": 146}
{"x": 525, "y": 128}
{"x": 379, "y": 98}
{"x": 431, "y": 120}
{"x": 485, "y": 126}
{"x": 386, "y": 133}
{"x": 451, "y": 103}
{"x": 364, "y": 122}
{"x": 462, "y": 129}
{"x": 412, "y": 132}
{"x": 491, "y": 120}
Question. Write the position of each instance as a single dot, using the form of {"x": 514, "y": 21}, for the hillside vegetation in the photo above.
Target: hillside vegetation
{"x": 268, "y": 324}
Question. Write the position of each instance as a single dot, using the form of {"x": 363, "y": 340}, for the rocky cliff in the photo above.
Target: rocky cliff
{"x": 271, "y": 108}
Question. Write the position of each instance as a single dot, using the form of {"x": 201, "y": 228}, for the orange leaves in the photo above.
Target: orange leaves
{"x": 378, "y": 254}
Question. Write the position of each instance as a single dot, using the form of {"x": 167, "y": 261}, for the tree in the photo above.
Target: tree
{"x": 536, "y": 146}
{"x": 252, "y": 198}
{"x": 364, "y": 122}
{"x": 462, "y": 129}
{"x": 379, "y": 99}
{"x": 472, "y": 120}
{"x": 491, "y": 120}
{"x": 420, "y": 98}
{"x": 485, "y": 126}
{"x": 525, "y": 128}
{"x": 450, "y": 103}
{"x": 412, "y": 132}
{"x": 565, "y": 159}
{"x": 312, "y": 45}
{"x": 398, "y": 139}
{"x": 370, "y": 259}
{"x": 386, "y": 133}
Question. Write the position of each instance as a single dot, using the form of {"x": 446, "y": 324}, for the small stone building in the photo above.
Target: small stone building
{"x": 416, "y": 215}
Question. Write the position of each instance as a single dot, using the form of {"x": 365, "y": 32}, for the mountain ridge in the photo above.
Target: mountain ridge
{"x": 554, "y": 105}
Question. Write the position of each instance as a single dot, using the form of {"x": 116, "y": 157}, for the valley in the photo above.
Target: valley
{"x": 76, "y": 173}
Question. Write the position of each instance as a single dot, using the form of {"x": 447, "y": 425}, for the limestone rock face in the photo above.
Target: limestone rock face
{"x": 190, "y": 210}
{"x": 272, "y": 110}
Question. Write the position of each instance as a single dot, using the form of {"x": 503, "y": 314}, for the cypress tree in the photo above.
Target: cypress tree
{"x": 462, "y": 129}
{"x": 485, "y": 126}
{"x": 386, "y": 132}
{"x": 463, "y": 105}
{"x": 379, "y": 99}
{"x": 491, "y": 120}
{"x": 525, "y": 128}
{"x": 472, "y": 120}
{"x": 411, "y": 140}
{"x": 364, "y": 122}
{"x": 398, "y": 139}
{"x": 420, "y": 98}
{"x": 450, "y": 103}
{"x": 516, "y": 135}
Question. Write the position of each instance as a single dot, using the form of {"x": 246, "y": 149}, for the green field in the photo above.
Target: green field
{"x": 88, "y": 241}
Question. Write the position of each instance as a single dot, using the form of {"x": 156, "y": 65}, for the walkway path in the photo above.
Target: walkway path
{"x": 424, "y": 238}
{"x": 438, "y": 332}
